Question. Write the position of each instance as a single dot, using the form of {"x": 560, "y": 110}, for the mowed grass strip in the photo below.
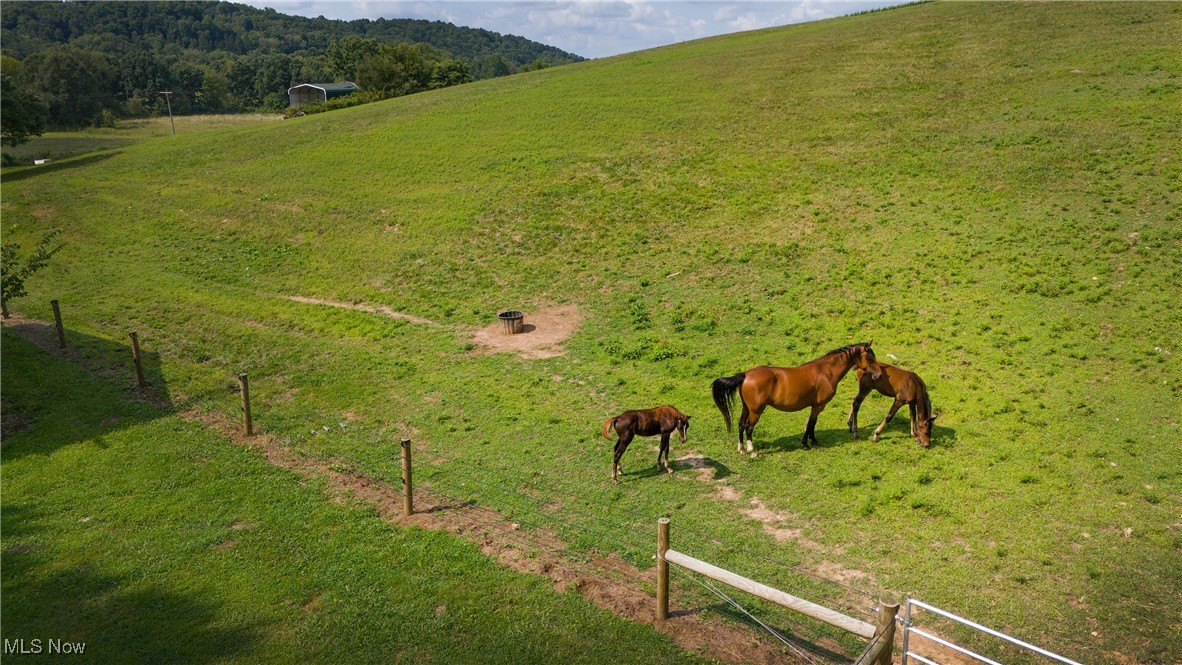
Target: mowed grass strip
{"x": 151, "y": 539}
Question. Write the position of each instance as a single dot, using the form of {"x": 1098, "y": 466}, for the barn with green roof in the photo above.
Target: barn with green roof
{"x": 318, "y": 93}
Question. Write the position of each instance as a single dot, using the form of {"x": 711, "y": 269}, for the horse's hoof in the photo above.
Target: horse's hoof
{"x": 754, "y": 454}
{"x": 874, "y": 439}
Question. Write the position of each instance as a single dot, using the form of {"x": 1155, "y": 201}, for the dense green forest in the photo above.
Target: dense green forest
{"x": 90, "y": 62}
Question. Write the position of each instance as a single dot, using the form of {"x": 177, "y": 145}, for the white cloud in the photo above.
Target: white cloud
{"x": 596, "y": 28}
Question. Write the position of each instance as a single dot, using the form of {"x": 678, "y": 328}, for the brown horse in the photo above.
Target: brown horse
{"x": 810, "y": 385}
{"x": 663, "y": 420}
{"x": 907, "y": 388}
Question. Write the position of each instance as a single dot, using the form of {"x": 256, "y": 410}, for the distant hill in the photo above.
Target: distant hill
{"x": 209, "y": 27}
{"x": 221, "y": 56}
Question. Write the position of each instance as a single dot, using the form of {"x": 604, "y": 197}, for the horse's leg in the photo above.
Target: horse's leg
{"x": 621, "y": 446}
{"x": 751, "y": 420}
{"x": 809, "y": 431}
{"x": 914, "y": 428}
{"x": 743, "y": 425}
{"x": 664, "y": 451}
{"x": 863, "y": 391}
{"x": 890, "y": 414}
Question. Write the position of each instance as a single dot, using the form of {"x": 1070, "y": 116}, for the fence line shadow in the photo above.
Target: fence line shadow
{"x": 36, "y": 385}
{"x": 13, "y": 174}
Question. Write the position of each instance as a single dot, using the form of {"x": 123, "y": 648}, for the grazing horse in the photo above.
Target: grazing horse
{"x": 810, "y": 385}
{"x": 907, "y": 388}
{"x": 663, "y": 420}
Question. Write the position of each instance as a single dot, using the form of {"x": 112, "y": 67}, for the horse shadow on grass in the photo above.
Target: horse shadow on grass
{"x": 85, "y": 392}
{"x": 898, "y": 431}
{"x": 690, "y": 463}
{"x": 118, "y": 618}
{"x": 826, "y": 438}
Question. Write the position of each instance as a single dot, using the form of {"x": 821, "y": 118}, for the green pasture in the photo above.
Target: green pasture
{"x": 60, "y": 145}
{"x": 990, "y": 192}
{"x": 150, "y": 539}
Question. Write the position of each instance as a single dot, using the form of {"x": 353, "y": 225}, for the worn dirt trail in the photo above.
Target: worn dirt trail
{"x": 608, "y": 582}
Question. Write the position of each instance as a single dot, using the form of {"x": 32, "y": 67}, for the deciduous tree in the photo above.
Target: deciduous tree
{"x": 22, "y": 113}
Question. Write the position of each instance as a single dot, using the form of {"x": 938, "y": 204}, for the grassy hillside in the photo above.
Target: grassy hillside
{"x": 149, "y": 539}
{"x": 988, "y": 191}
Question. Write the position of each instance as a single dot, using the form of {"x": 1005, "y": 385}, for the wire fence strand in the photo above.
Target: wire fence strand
{"x": 538, "y": 503}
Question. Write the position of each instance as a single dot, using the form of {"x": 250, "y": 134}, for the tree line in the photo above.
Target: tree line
{"x": 76, "y": 64}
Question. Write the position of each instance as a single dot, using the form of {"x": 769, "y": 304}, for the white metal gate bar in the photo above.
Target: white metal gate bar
{"x": 954, "y": 647}
{"x": 907, "y": 630}
{"x": 919, "y": 658}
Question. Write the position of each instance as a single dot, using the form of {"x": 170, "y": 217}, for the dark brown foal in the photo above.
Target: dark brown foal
{"x": 663, "y": 420}
{"x": 907, "y": 388}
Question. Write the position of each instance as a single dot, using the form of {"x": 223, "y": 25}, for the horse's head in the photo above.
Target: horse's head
{"x": 925, "y": 430}
{"x": 865, "y": 361}
{"x": 682, "y": 427}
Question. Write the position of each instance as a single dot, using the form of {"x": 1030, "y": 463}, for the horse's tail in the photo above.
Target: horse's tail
{"x": 607, "y": 424}
{"x": 724, "y": 394}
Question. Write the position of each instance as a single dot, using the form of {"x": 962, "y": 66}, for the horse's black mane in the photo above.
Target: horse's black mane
{"x": 845, "y": 349}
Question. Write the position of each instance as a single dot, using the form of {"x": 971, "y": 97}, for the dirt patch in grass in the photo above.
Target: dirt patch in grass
{"x": 783, "y": 526}
{"x": 361, "y": 307}
{"x": 545, "y": 330}
{"x": 775, "y": 524}
{"x": 698, "y": 463}
{"x": 838, "y": 573}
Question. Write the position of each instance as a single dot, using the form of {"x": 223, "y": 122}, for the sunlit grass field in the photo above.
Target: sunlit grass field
{"x": 990, "y": 192}
{"x": 60, "y": 145}
{"x": 146, "y": 539}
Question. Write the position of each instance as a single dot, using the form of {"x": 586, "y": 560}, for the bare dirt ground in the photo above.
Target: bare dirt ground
{"x": 372, "y": 309}
{"x": 546, "y": 328}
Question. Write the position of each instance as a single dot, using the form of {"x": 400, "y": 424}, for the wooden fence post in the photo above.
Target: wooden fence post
{"x": 247, "y": 426}
{"x": 881, "y": 648}
{"x": 408, "y": 500}
{"x": 57, "y": 322}
{"x": 662, "y": 569}
{"x": 139, "y": 364}
{"x": 887, "y": 611}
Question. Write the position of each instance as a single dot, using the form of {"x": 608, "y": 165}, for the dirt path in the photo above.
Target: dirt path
{"x": 546, "y": 327}
{"x": 372, "y": 309}
{"x": 608, "y": 582}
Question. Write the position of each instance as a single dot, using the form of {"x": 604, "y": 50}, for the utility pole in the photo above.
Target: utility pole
{"x": 167, "y": 101}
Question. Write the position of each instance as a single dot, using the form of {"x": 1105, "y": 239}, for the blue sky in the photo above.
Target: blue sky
{"x": 593, "y": 29}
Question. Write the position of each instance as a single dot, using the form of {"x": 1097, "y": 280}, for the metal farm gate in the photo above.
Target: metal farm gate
{"x": 909, "y": 630}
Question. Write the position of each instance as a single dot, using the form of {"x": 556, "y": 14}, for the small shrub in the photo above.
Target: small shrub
{"x": 14, "y": 272}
